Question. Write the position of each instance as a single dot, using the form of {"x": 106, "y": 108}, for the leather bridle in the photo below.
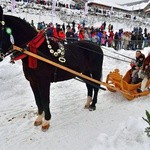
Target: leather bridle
{"x": 2, "y": 23}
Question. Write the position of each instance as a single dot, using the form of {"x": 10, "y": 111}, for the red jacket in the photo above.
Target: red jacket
{"x": 61, "y": 35}
{"x": 81, "y": 36}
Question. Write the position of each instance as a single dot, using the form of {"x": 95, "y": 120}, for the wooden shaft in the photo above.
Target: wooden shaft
{"x": 66, "y": 69}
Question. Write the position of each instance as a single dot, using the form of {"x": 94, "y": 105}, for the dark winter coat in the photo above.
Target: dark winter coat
{"x": 146, "y": 67}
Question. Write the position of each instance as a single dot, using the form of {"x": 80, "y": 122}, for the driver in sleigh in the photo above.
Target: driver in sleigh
{"x": 144, "y": 74}
{"x": 136, "y": 66}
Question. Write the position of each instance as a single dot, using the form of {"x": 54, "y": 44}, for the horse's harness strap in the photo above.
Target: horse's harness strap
{"x": 2, "y": 31}
{"x": 33, "y": 46}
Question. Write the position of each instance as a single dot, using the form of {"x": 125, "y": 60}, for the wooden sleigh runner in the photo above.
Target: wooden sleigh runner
{"x": 122, "y": 83}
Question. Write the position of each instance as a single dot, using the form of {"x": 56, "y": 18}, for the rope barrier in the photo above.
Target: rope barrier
{"x": 103, "y": 47}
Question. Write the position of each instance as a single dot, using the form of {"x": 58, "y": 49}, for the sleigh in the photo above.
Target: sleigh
{"x": 122, "y": 84}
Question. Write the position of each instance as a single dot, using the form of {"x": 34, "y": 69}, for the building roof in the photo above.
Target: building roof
{"x": 137, "y": 6}
{"x": 135, "y": 2}
{"x": 107, "y": 3}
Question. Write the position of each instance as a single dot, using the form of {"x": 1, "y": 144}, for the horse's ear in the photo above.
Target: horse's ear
{"x": 1, "y": 12}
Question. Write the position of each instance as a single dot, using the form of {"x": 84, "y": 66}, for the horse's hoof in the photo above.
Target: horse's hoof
{"x": 92, "y": 108}
{"x": 88, "y": 102}
{"x": 45, "y": 127}
{"x": 37, "y": 123}
{"x": 38, "y": 120}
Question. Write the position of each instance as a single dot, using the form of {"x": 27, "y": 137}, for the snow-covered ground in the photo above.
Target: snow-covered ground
{"x": 117, "y": 123}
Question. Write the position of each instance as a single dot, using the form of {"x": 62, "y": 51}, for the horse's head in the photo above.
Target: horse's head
{"x": 14, "y": 30}
{"x": 2, "y": 23}
{"x": 6, "y": 38}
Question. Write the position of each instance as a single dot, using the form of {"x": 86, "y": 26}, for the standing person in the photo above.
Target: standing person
{"x": 116, "y": 41}
{"x": 109, "y": 27}
{"x": 94, "y": 37}
{"x": 63, "y": 27}
{"x": 120, "y": 43}
{"x": 104, "y": 25}
{"x": 140, "y": 40}
{"x": 69, "y": 36}
{"x": 32, "y": 23}
{"x": 61, "y": 34}
{"x": 104, "y": 38}
{"x": 73, "y": 24}
{"x": 99, "y": 34}
{"x": 81, "y": 34}
{"x": 50, "y": 32}
{"x": 79, "y": 26}
{"x": 110, "y": 38}
{"x": 68, "y": 26}
{"x": 83, "y": 23}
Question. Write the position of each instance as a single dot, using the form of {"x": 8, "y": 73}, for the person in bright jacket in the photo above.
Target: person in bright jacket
{"x": 81, "y": 34}
{"x": 61, "y": 36}
{"x": 55, "y": 35}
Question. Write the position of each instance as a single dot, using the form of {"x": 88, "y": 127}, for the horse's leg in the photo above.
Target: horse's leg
{"x": 89, "y": 93}
{"x": 36, "y": 92}
{"x": 92, "y": 107}
{"x": 94, "y": 101}
{"x": 41, "y": 89}
{"x": 30, "y": 76}
{"x": 44, "y": 87}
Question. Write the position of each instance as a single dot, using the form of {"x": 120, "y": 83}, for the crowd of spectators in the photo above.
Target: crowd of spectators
{"x": 138, "y": 38}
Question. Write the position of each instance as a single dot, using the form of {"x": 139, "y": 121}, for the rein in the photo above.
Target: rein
{"x": 101, "y": 54}
{"x": 105, "y": 55}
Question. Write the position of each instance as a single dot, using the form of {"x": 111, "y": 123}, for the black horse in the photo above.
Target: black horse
{"x": 82, "y": 56}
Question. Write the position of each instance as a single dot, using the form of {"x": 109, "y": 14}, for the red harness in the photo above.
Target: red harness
{"x": 33, "y": 46}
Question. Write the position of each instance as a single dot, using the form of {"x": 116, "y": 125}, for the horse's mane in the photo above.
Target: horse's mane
{"x": 16, "y": 20}
{"x": 20, "y": 27}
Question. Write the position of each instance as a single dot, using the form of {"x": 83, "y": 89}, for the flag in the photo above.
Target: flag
{"x": 13, "y": 5}
{"x": 53, "y": 6}
{"x": 86, "y": 9}
{"x": 111, "y": 10}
